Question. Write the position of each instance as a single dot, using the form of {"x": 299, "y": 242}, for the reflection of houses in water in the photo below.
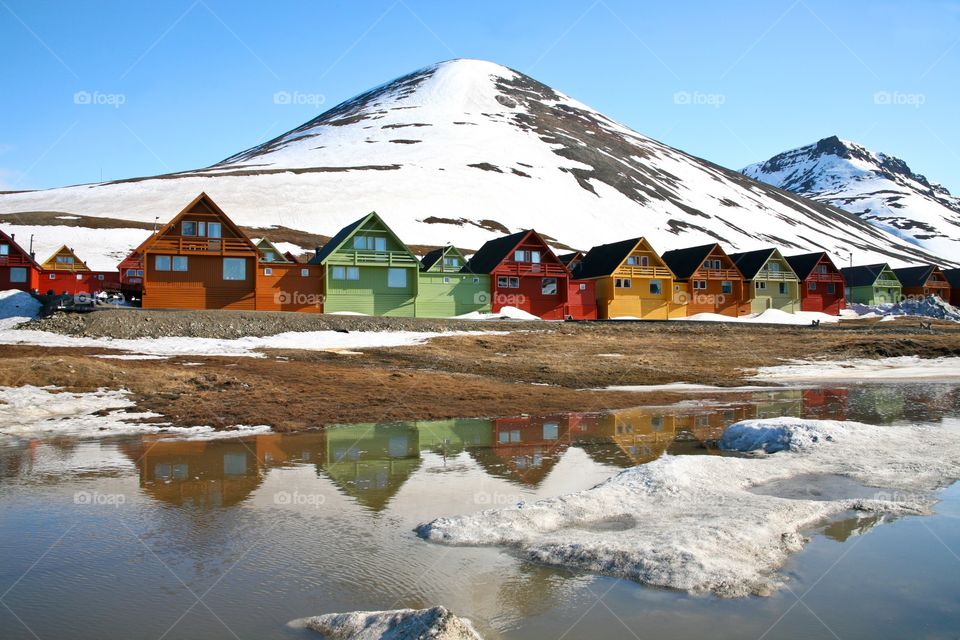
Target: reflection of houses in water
{"x": 825, "y": 404}
{"x": 642, "y": 434}
{"x": 525, "y": 449}
{"x": 370, "y": 462}
{"x": 451, "y": 437}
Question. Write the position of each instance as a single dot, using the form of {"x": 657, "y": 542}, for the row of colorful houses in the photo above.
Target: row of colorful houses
{"x": 202, "y": 260}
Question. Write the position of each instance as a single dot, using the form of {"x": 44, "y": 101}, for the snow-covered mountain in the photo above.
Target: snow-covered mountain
{"x": 462, "y": 152}
{"x": 877, "y": 187}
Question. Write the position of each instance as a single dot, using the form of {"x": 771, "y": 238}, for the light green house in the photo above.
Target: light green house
{"x": 368, "y": 270}
{"x": 769, "y": 280}
{"x": 445, "y": 290}
{"x": 872, "y": 284}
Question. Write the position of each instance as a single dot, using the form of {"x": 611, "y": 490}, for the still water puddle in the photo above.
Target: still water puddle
{"x": 151, "y": 537}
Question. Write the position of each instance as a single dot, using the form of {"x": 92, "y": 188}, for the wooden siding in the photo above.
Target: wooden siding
{"x": 444, "y": 295}
{"x": 529, "y": 295}
{"x": 770, "y": 295}
{"x": 74, "y": 265}
{"x": 713, "y": 299}
{"x": 581, "y": 300}
{"x": 288, "y": 289}
{"x": 200, "y": 287}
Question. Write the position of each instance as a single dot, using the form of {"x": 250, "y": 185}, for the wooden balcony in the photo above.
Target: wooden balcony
{"x": 887, "y": 284}
{"x": 716, "y": 274}
{"x": 16, "y": 260}
{"x": 373, "y": 258}
{"x": 825, "y": 277}
{"x": 201, "y": 246}
{"x": 643, "y": 272}
{"x": 547, "y": 269}
{"x": 777, "y": 276}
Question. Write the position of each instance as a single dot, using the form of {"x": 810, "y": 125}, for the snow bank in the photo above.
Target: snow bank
{"x": 436, "y": 623}
{"x": 770, "y": 316}
{"x": 243, "y": 347}
{"x": 681, "y": 387}
{"x": 929, "y": 307}
{"x": 30, "y": 411}
{"x": 863, "y": 369}
{"x": 16, "y": 307}
{"x": 701, "y": 523}
{"x": 505, "y": 313}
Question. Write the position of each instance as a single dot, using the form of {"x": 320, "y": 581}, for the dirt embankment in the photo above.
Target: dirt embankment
{"x": 538, "y": 367}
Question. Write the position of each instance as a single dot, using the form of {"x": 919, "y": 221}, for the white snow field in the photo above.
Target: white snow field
{"x": 894, "y": 368}
{"x": 29, "y": 411}
{"x": 929, "y": 307}
{"x": 435, "y": 623}
{"x": 461, "y": 152}
{"x": 17, "y": 307}
{"x": 703, "y": 523}
{"x": 770, "y": 316}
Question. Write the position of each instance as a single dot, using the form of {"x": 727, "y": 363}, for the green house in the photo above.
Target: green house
{"x": 769, "y": 280}
{"x": 446, "y": 290}
{"x": 872, "y": 284}
{"x": 368, "y": 270}
{"x": 269, "y": 252}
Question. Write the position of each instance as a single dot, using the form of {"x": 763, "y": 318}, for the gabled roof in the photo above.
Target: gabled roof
{"x": 914, "y": 276}
{"x": 567, "y": 258}
{"x": 431, "y": 258}
{"x": 265, "y": 245}
{"x": 604, "y": 259}
{"x": 78, "y": 264}
{"x": 863, "y": 276}
{"x": 495, "y": 251}
{"x": 751, "y": 262}
{"x": 210, "y": 204}
{"x": 347, "y": 232}
{"x": 804, "y": 264}
{"x": 684, "y": 262}
{"x": 292, "y": 258}
{"x": 6, "y": 239}
{"x": 953, "y": 277}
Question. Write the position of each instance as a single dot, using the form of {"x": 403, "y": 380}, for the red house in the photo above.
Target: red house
{"x": 953, "y": 277}
{"x": 525, "y": 273}
{"x": 821, "y": 283}
{"x": 131, "y": 274}
{"x": 18, "y": 269}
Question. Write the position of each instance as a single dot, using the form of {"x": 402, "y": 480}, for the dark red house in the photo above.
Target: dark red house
{"x": 821, "y": 283}
{"x": 953, "y": 277}
{"x": 525, "y": 273}
{"x": 18, "y": 269}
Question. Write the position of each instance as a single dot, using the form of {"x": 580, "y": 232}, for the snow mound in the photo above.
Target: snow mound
{"x": 17, "y": 307}
{"x": 29, "y": 412}
{"x": 505, "y": 313}
{"x": 699, "y": 523}
{"x": 770, "y": 316}
{"x": 863, "y": 369}
{"x": 929, "y": 307}
{"x": 436, "y": 623}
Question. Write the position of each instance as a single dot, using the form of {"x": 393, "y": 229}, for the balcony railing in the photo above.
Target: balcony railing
{"x": 826, "y": 277}
{"x": 532, "y": 268}
{"x": 887, "y": 283}
{"x": 716, "y": 274}
{"x": 373, "y": 258}
{"x": 643, "y": 272}
{"x": 16, "y": 260}
{"x": 782, "y": 276}
{"x": 205, "y": 246}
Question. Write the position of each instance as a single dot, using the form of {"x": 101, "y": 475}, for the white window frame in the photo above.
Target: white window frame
{"x": 304, "y": 273}
{"x": 514, "y": 282}
{"x": 659, "y": 285}
{"x": 162, "y": 263}
{"x": 503, "y": 282}
{"x": 534, "y": 257}
{"x": 214, "y": 234}
{"x": 234, "y": 261}
{"x": 193, "y": 233}
{"x": 726, "y": 284}
{"x": 446, "y": 280}
{"x": 545, "y": 282}
{"x": 783, "y": 288}
{"x": 521, "y": 255}
{"x": 4, "y": 249}
{"x": 397, "y": 271}
{"x": 760, "y": 285}
{"x": 267, "y": 271}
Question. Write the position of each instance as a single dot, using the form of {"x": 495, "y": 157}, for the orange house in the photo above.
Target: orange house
{"x": 286, "y": 285}
{"x": 200, "y": 260}
{"x": 707, "y": 281}
{"x": 65, "y": 272}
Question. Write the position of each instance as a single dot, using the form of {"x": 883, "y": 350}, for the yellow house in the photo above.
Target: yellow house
{"x": 64, "y": 259}
{"x": 632, "y": 281}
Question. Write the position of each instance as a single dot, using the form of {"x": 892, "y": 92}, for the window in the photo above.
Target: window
{"x": 699, "y": 284}
{"x": 269, "y": 256}
{"x": 551, "y": 430}
{"x": 304, "y": 273}
{"x": 64, "y": 259}
{"x": 234, "y": 268}
{"x": 4, "y": 249}
{"x": 783, "y": 288}
{"x": 353, "y": 273}
{"x": 774, "y": 266}
{"x": 644, "y": 261}
{"x": 831, "y": 288}
{"x": 267, "y": 271}
{"x": 656, "y": 287}
{"x": 476, "y": 281}
{"x": 99, "y": 276}
{"x": 632, "y": 261}
{"x": 181, "y": 263}
{"x": 338, "y": 273}
{"x": 760, "y": 285}
{"x": 53, "y": 276}
{"x": 503, "y": 282}
{"x": 521, "y": 256}
{"x": 369, "y": 243}
{"x": 140, "y": 272}
{"x": 79, "y": 276}
{"x": 131, "y": 272}
{"x": 821, "y": 268}
{"x": 451, "y": 263}
{"x": 396, "y": 278}
{"x": 162, "y": 263}
{"x": 188, "y": 228}
{"x": 446, "y": 280}
{"x": 18, "y": 274}
{"x": 514, "y": 282}
{"x": 812, "y": 286}
{"x": 727, "y": 287}
{"x": 214, "y": 230}
{"x": 535, "y": 257}
{"x": 623, "y": 283}
{"x": 583, "y": 287}
{"x": 548, "y": 286}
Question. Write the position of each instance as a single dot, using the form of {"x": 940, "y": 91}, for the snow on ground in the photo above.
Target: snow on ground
{"x": 30, "y": 411}
{"x": 929, "y": 307}
{"x": 16, "y": 307}
{"x": 863, "y": 369}
{"x": 704, "y": 523}
{"x": 505, "y": 313}
{"x": 770, "y": 316}
{"x": 436, "y": 623}
{"x": 681, "y": 387}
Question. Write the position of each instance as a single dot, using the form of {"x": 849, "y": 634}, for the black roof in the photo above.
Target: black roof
{"x": 863, "y": 276}
{"x": 914, "y": 276}
{"x": 431, "y": 258}
{"x": 804, "y": 264}
{"x": 953, "y": 277}
{"x": 324, "y": 252}
{"x": 493, "y": 252}
{"x": 750, "y": 262}
{"x": 604, "y": 259}
{"x": 683, "y": 262}
{"x": 566, "y": 258}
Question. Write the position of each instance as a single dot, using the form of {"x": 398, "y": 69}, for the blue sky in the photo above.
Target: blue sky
{"x": 119, "y": 89}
